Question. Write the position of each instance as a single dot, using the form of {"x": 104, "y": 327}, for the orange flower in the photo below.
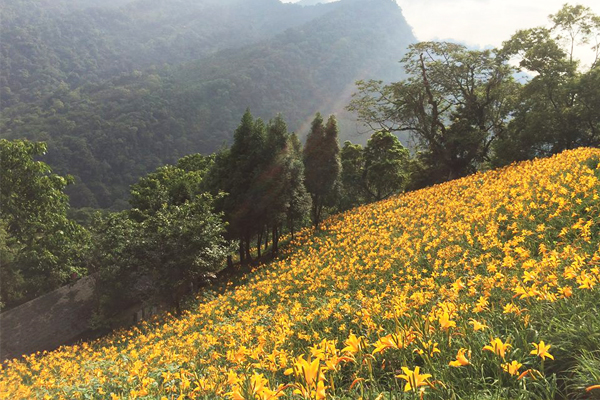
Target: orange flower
{"x": 512, "y": 368}
{"x": 461, "y": 360}
{"x": 446, "y": 322}
{"x": 392, "y": 341}
{"x": 497, "y": 347}
{"x": 353, "y": 344}
{"x": 414, "y": 379}
{"x": 477, "y": 326}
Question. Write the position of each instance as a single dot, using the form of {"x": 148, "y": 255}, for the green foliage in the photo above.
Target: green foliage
{"x": 40, "y": 248}
{"x": 376, "y": 172}
{"x": 352, "y": 159}
{"x": 262, "y": 177}
{"x": 453, "y": 104}
{"x": 386, "y": 166}
{"x": 558, "y": 108}
{"x": 157, "y": 258}
{"x": 170, "y": 185}
{"x": 168, "y": 241}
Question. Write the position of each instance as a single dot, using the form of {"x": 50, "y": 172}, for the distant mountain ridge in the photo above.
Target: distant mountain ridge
{"x": 109, "y": 131}
{"x": 45, "y": 44}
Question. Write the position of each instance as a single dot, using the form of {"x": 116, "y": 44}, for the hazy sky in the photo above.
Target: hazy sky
{"x": 479, "y": 23}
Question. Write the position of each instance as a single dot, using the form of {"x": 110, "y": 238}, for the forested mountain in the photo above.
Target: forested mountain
{"x": 118, "y": 91}
{"x": 75, "y": 42}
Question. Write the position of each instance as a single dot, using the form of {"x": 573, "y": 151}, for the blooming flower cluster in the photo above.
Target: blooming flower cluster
{"x": 446, "y": 292}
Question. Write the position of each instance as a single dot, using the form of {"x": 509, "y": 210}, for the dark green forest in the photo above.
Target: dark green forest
{"x": 121, "y": 89}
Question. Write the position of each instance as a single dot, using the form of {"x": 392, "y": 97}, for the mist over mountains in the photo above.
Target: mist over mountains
{"x": 120, "y": 87}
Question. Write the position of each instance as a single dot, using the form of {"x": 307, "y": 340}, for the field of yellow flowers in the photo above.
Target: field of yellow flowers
{"x": 485, "y": 287}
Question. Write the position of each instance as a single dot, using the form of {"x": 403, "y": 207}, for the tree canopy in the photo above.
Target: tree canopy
{"x": 559, "y": 108}
{"x": 454, "y": 103}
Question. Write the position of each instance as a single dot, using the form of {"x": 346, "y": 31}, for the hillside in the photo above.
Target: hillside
{"x": 145, "y": 89}
{"x": 47, "y": 45}
{"x": 480, "y": 288}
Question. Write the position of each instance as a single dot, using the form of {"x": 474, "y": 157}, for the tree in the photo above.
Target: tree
{"x": 298, "y": 199}
{"x": 386, "y": 166}
{"x": 558, "y": 108}
{"x": 273, "y": 181}
{"x": 237, "y": 173}
{"x": 454, "y": 103}
{"x": 158, "y": 258}
{"x": 353, "y": 164}
{"x": 577, "y": 25}
{"x": 322, "y": 165}
{"x": 179, "y": 245}
{"x": 376, "y": 172}
{"x": 170, "y": 185}
{"x": 41, "y": 248}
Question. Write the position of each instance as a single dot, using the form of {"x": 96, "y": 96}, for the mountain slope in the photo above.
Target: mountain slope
{"x": 423, "y": 280}
{"x": 48, "y": 44}
{"x": 109, "y": 134}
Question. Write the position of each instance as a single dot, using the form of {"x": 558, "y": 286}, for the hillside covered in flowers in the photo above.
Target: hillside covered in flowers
{"x": 485, "y": 287}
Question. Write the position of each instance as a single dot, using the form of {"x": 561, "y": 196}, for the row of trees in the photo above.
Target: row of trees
{"x": 465, "y": 110}
{"x": 186, "y": 219}
{"x": 263, "y": 177}
{"x": 273, "y": 184}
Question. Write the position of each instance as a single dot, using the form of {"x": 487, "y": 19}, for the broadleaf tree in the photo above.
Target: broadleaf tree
{"x": 41, "y": 248}
{"x": 559, "y": 106}
{"x": 453, "y": 104}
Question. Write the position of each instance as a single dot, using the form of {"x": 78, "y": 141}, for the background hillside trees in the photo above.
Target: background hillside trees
{"x": 118, "y": 91}
{"x": 40, "y": 248}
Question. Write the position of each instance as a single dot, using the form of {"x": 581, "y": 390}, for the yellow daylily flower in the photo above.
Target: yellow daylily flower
{"x": 477, "y": 326}
{"x": 445, "y": 321}
{"x": 512, "y": 368}
{"x": 541, "y": 350}
{"x": 388, "y": 341}
{"x": 414, "y": 379}
{"x": 461, "y": 360}
{"x": 353, "y": 344}
{"x": 497, "y": 347}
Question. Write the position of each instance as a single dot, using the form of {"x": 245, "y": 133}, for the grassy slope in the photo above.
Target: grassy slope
{"x": 515, "y": 249}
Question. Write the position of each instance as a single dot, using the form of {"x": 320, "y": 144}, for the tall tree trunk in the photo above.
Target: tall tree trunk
{"x": 248, "y": 255}
{"x": 242, "y": 253}
{"x": 316, "y": 211}
{"x": 292, "y": 227}
{"x": 229, "y": 262}
{"x": 275, "y": 240}
{"x": 258, "y": 244}
{"x": 176, "y": 302}
{"x": 266, "y": 238}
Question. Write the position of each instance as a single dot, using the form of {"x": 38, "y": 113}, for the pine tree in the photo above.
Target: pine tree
{"x": 322, "y": 165}
{"x": 297, "y": 197}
